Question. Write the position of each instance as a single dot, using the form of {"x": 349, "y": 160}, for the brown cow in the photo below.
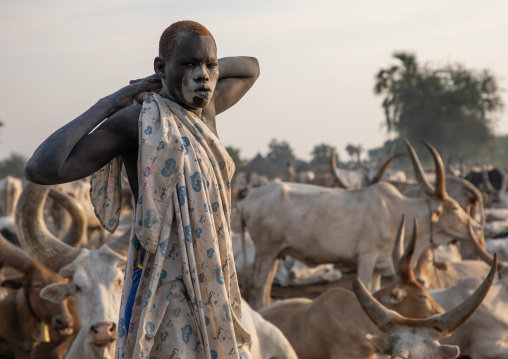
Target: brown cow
{"x": 25, "y": 314}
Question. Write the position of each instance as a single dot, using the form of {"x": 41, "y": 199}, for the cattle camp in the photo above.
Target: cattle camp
{"x": 253, "y": 180}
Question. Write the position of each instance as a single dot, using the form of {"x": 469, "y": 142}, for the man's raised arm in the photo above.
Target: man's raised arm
{"x": 72, "y": 152}
{"x": 236, "y": 77}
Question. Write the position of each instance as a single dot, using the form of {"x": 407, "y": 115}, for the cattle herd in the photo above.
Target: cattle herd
{"x": 427, "y": 258}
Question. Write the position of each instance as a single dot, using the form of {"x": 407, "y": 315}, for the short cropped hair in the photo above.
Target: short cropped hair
{"x": 167, "y": 42}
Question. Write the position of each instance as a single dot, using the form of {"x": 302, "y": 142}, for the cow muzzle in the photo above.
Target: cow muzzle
{"x": 63, "y": 324}
{"x": 103, "y": 333}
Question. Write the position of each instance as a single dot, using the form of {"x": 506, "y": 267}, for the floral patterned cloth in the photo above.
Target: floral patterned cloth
{"x": 188, "y": 303}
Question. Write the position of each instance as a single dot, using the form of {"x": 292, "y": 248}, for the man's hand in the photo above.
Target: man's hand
{"x": 136, "y": 90}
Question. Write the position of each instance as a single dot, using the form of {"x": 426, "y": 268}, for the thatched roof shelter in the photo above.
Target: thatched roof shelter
{"x": 264, "y": 167}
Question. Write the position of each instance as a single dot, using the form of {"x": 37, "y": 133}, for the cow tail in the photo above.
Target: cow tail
{"x": 246, "y": 283}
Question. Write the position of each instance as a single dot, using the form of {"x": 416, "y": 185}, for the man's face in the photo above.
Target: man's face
{"x": 191, "y": 73}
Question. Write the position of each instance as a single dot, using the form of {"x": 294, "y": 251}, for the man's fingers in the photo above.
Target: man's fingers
{"x": 151, "y": 78}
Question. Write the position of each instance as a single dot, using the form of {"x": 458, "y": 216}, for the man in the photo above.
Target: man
{"x": 187, "y": 302}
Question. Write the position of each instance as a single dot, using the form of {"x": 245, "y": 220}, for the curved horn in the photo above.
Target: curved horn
{"x": 335, "y": 173}
{"x": 406, "y": 273}
{"x": 398, "y": 248}
{"x": 383, "y": 168}
{"x": 34, "y": 236}
{"x": 481, "y": 251}
{"x": 382, "y": 317}
{"x": 14, "y": 256}
{"x": 78, "y": 231}
{"x": 121, "y": 244}
{"x": 418, "y": 170}
{"x": 440, "y": 191}
{"x": 448, "y": 322}
{"x": 486, "y": 181}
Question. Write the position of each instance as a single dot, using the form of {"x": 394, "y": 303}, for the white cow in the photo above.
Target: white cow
{"x": 95, "y": 277}
{"x": 325, "y": 225}
{"x": 268, "y": 342}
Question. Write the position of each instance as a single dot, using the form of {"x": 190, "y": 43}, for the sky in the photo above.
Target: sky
{"x": 318, "y": 61}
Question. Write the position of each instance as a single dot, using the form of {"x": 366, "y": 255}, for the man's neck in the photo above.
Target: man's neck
{"x": 196, "y": 111}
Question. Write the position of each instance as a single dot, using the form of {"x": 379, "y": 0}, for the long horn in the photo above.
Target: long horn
{"x": 406, "y": 273}
{"x": 440, "y": 172}
{"x": 14, "y": 256}
{"x": 481, "y": 251}
{"x": 418, "y": 170}
{"x": 384, "y": 318}
{"x": 486, "y": 181}
{"x": 448, "y": 322}
{"x": 335, "y": 173}
{"x": 478, "y": 197}
{"x": 384, "y": 167}
{"x": 34, "y": 236}
{"x": 78, "y": 231}
{"x": 398, "y": 248}
{"x": 121, "y": 244}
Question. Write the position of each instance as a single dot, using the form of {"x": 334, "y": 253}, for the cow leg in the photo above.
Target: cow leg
{"x": 366, "y": 265}
{"x": 265, "y": 268}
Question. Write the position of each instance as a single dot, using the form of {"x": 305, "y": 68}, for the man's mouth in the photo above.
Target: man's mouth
{"x": 203, "y": 91}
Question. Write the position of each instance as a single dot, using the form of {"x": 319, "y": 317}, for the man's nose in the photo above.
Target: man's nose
{"x": 201, "y": 74}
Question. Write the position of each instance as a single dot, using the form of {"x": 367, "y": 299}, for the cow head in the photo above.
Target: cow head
{"x": 406, "y": 295}
{"x": 95, "y": 277}
{"x": 33, "y": 279}
{"x": 418, "y": 338}
{"x": 446, "y": 218}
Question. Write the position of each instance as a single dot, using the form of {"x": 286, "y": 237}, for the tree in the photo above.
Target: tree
{"x": 321, "y": 155}
{"x": 13, "y": 166}
{"x": 281, "y": 154}
{"x": 235, "y": 155}
{"x": 452, "y": 107}
{"x": 355, "y": 151}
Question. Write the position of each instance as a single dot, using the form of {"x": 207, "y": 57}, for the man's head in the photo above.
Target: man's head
{"x": 187, "y": 64}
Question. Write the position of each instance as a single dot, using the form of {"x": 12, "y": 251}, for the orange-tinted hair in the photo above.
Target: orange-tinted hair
{"x": 168, "y": 38}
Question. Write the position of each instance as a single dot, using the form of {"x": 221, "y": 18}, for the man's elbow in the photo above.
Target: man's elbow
{"x": 38, "y": 173}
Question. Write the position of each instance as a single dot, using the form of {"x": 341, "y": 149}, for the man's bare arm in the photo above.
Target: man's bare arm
{"x": 236, "y": 77}
{"x": 73, "y": 152}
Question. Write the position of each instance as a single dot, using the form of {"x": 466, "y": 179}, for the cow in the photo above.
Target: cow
{"x": 334, "y": 325}
{"x": 327, "y": 225}
{"x": 268, "y": 342}
{"x": 33, "y": 327}
{"x": 95, "y": 277}
{"x": 361, "y": 177}
{"x": 10, "y": 190}
{"x": 410, "y": 338}
{"x": 435, "y": 274}
{"x": 493, "y": 183}
{"x": 484, "y": 334}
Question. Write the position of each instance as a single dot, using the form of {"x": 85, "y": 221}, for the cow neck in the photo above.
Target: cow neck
{"x": 29, "y": 306}
{"x": 430, "y": 223}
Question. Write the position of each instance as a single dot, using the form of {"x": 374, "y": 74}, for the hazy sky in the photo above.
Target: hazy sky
{"x": 318, "y": 61}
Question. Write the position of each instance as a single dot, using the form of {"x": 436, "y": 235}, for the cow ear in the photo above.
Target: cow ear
{"x": 380, "y": 343}
{"x": 448, "y": 352}
{"x": 437, "y": 214}
{"x": 13, "y": 283}
{"x": 56, "y": 292}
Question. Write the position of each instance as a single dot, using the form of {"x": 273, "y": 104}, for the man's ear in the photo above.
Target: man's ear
{"x": 159, "y": 66}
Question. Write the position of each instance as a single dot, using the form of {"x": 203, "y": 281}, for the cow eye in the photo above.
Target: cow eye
{"x": 77, "y": 288}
